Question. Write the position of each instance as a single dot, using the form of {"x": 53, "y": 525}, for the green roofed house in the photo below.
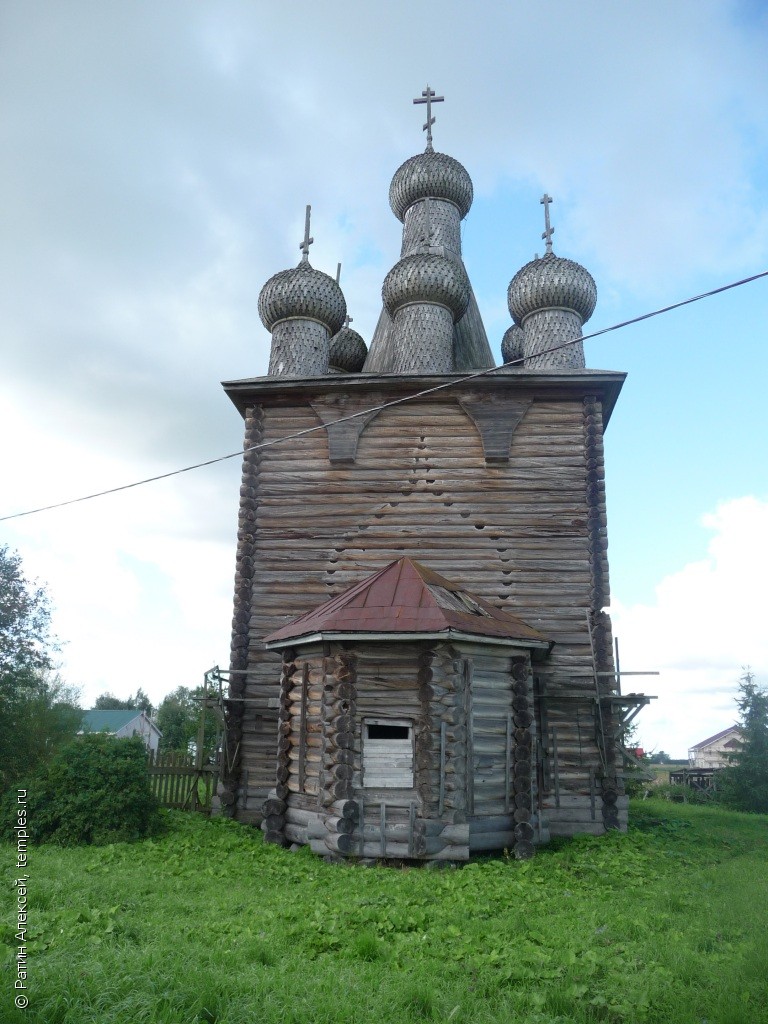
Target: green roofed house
{"x": 122, "y": 724}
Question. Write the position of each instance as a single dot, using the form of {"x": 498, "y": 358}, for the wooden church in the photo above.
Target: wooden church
{"x": 421, "y": 664}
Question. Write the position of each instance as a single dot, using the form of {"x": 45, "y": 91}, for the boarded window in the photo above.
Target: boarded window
{"x": 387, "y": 754}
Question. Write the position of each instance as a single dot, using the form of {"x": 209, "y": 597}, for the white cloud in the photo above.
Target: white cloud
{"x": 154, "y": 167}
{"x": 708, "y": 621}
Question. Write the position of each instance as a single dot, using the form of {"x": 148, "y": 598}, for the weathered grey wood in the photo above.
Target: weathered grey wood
{"x": 491, "y": 823}
{"x": 496, "y": 418}
{"x": 482, "y": 842}
{"x": 514, "y": 534}
{"x": 470, "y": 777}
{"x": 296, "y": 834}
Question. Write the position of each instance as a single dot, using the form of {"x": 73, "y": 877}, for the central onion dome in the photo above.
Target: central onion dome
{"x": 426, "y": 277}
{"x": 348, "y": 351}
{"x": 551, "y": 282}
{"x": 430, "y": 175}
{"x": 305, "y": 293}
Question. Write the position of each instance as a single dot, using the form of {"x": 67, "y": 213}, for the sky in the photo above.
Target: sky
{"x": 155, "y": 162}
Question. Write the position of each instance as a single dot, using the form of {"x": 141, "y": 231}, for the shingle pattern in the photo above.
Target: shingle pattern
{"x": 430, "y": 175}
{"x": 426, "y": 277}
{"x": 348, "y": 351}
{"x": 512, "y": 344}
{"x": 299, "y": 349}
{"x": 551, "y": 281}
{"x": 302, "y": 291}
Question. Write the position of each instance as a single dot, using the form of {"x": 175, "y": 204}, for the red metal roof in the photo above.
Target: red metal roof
{"x": 407, "y": 597}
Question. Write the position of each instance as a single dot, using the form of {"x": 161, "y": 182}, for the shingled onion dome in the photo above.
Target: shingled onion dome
{"x": 425, "y": 294}
{"x": 425, "y": 277}
{"x": 551, "y": 299}
{"x": 430, "y": 175}
{"x": 551, "y": 282}
{"x": 302, "y": 308}
{"x": 348, "y": 351}
{"x": 302, "y": 292}
{"x": 512, "y": 345}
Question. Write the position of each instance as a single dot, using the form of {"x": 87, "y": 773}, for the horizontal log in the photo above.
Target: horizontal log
{"x": 490, "y": 823}
{"x": 573, "y": 828}
{"x": 295, "y": 834}
{"x": 450, "y": 832}
{"x": 559, "y": 814}
{"x": 481, "y": 842}
{"x": 300, "y": 816}
{"x": 346, "y": 808}
{"x": 343, "y": 826}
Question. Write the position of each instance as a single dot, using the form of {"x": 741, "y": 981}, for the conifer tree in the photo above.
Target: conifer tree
{"x": 743, "y": 785}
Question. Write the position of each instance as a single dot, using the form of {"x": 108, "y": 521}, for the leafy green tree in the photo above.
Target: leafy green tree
{"x": 94, "y": 790}
{"x": 38, "y": 712}
{"x": 26, "y": 642}
{"x": 178, "y": 718}
{"x": 108, "y": 702}
{"x": 743, "y": 785}
{"x": 662, "y": 757}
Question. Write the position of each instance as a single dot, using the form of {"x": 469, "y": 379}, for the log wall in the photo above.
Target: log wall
{"x": 527, "y": 533}
{"x": 469, "y": 710}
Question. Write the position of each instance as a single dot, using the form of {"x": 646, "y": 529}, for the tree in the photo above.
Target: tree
{"x": 94, "y": 790}
{"x": 139, "y": 702}
{"x": 38, "y": 711}
{"x": 662, "y": 757}
{"x": 178, "y": 718}
{"x": 26, "y": 642}
{"x": 743, "y": 785}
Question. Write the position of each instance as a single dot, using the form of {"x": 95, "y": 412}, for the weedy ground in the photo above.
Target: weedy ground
{"x": 208, "y": 924}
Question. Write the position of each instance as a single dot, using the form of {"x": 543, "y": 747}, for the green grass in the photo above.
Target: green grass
{"x": 208, "y": 924}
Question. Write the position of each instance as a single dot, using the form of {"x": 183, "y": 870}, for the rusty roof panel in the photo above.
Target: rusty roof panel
{"x": 407, "y": 597}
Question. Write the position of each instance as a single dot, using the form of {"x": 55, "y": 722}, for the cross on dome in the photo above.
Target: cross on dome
{"x": 307, "y": 240}
{"x": 548, "y": 231}
{"x": 348, "y": 320}
{"x": 428, "y": 96}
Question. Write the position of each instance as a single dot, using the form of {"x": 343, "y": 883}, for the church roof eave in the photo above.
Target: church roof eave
{"x": 604, "y": 384}
{"x": 541, "y": 646}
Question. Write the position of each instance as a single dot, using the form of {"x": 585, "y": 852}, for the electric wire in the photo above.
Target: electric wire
{"x": 453, "y": 382}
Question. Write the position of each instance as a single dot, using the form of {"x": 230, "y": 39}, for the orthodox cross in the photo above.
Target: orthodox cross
{"x": 428, "y": 96}
{"x": 307, "y": 240}
{"x": 348, "y": 320}
{"x": 548, "y": 231}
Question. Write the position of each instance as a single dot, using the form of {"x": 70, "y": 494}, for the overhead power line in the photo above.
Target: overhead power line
{"x": 385, "y": 405}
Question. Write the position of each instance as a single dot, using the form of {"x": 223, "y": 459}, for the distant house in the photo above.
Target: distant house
{"x": 122, "y": 724}
{"x": 714, "y": 751}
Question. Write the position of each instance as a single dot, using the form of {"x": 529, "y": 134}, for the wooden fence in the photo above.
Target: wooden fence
{"x": 703, "y": 779}
{"x": 177, "y": 780}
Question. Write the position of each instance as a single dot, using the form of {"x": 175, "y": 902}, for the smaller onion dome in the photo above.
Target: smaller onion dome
{"x": 512, "y": 344}
{"x": 348, "y": 351}
{"x": 427, "y": 277}
{"x": 302, "y": 292}
{"x": 430, "y": 175}
{"x": 551, "y": 282}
